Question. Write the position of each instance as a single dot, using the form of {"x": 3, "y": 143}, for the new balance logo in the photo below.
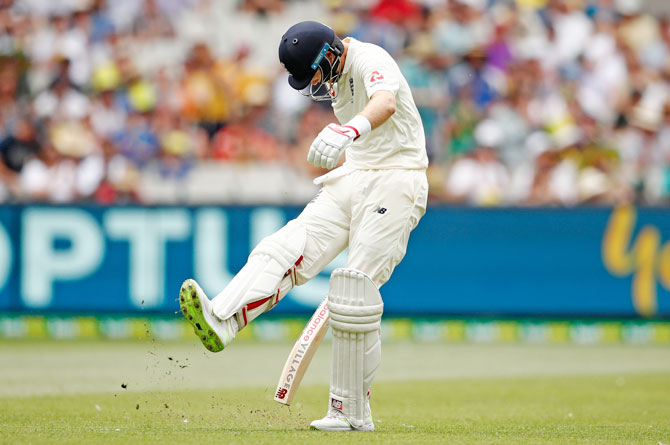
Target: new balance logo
{"x": 336, "y": 404}
{"x": 381, "y": 210}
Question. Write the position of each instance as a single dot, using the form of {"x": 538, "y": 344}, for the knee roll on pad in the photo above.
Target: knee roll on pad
{"x": 284, "y": 246}
{"x": 266, "y": 278}
{"x": 356, "y": 309}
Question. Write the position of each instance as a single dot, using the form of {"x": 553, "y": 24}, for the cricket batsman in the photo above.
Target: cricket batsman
{"x": 370, "y": 204}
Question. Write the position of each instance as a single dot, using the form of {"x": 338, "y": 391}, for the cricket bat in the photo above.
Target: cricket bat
{"x": 301, "y": 355}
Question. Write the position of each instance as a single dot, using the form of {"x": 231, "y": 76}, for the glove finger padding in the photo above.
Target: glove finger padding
{"x": 333, "y": 157}
{"x": 317, "y": 159}
{"x": 328, "y": 146}
{"x": 337, "y": 153}
{"x": 312, "y": 151}
{"x": 325, "y": 154}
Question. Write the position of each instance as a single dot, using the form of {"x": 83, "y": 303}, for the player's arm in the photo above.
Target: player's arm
{"x": 381, "y": 82}
{"x": 334, "y": 139}
{"x": 380, "y": 108}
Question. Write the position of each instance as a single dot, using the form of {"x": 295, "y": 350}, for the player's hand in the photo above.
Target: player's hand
{"x": 328, "y": 146}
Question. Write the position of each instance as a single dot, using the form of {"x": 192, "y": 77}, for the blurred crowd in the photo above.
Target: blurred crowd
{"x": 524, "y": 102}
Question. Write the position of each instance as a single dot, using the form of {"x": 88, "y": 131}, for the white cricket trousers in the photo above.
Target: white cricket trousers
{"x": 370, "y": 211}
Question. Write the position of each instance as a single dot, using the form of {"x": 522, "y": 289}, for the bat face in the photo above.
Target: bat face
{"x": 301, "y": 355}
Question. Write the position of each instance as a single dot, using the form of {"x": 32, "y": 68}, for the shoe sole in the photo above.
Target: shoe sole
{"x": 191, "y": 307}
{"x": 369, "y": 427}
{"x": 313, "y": 428}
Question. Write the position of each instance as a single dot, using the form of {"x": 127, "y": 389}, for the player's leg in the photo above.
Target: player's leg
{"x": 266, "y": 277}
{"x": 323, "y": 233}
{"x": 327, "y": 220}
{"x": 355, "y": 314}
{"x": 389, "y": 207}
{"x": 289, "y": 257}
{"x": 383, "y": 219}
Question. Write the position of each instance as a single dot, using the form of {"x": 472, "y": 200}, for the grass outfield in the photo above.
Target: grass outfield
{"x": 71, "y": 392}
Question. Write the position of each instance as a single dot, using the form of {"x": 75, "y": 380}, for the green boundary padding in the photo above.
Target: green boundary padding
{"x": 471, "y": 330}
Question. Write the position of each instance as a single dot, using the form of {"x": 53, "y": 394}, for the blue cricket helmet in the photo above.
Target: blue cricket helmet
{"x": 303, "y": 48}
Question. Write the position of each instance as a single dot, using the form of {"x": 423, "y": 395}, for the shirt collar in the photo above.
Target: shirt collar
{"x": 348, "y": 62}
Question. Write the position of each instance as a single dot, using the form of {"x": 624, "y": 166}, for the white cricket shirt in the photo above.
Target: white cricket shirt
{"x": 397, "y": 143}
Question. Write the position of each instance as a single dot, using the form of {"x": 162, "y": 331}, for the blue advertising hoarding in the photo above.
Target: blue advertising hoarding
{"x": 502, "y": 262}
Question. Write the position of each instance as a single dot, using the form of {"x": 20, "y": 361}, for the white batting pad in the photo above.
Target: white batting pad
{"x": 266, "y": 278}
{"x": 355, "y": 315}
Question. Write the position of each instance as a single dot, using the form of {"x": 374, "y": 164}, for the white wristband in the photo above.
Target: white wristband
{"x": 360, "y": 124}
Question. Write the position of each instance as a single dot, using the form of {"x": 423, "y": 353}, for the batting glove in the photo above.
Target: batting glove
{"x": 328, "y": 146}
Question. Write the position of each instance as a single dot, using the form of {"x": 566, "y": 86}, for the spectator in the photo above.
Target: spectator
{"x": 262, "y": 7}
{"x": 577, "y": 94}
{"x": 206, "y": 97}
{"x": 19, "y": 144}
{"x": 62, "y": 100}
{"x": 478, "y": 178}
{"x": 138, "y": 141}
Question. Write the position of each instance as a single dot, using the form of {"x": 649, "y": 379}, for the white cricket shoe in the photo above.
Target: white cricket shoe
{"x": 335, "y": 421}
{"x": 213, "y": 332}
